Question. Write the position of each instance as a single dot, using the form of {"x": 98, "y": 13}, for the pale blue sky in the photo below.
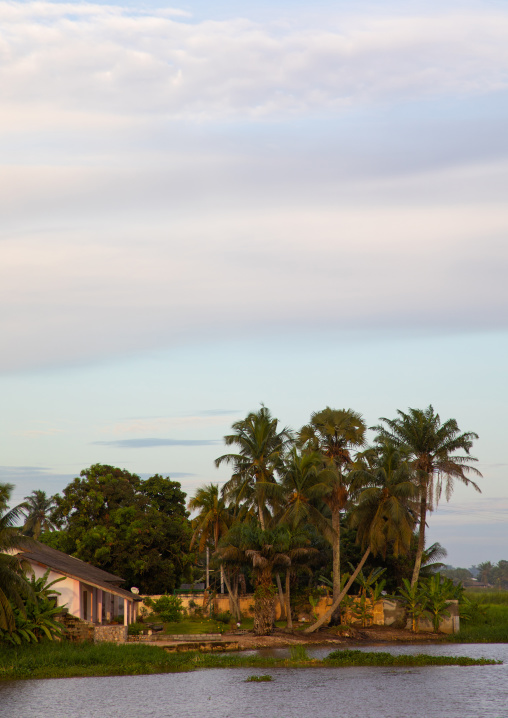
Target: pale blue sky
{"x": 210, "y": 207}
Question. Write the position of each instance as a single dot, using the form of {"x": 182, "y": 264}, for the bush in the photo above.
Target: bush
{"x": 224, "y": 617}
{"x": 169, "y": 608}
{"x": 135, "y": 629}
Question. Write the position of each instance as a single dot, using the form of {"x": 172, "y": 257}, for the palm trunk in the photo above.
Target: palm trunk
{"x": 281, "y": 598}
{"x": 336, "y": 603}
{"x": 261, "y": 517}
{"x": 336, "y": 561}
{"x": 263, "y": 604}
{"x": 289, "y": 619}
{"x": 233, "y": 601}
{"x": 421, "y": 537}
{"x": 336, "y": 553}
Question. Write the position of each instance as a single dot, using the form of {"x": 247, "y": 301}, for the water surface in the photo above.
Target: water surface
{"x": 431, "y": 692}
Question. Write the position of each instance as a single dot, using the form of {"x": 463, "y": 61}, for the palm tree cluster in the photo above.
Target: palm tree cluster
{"x": 290, "y": 493}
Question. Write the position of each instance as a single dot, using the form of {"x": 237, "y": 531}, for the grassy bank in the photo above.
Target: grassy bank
{"x": 66, "y": 660}
{"x": 489, "y": 624}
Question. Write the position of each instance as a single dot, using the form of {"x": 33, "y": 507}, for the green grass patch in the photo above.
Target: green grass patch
{"x": 492, "y": 627}
{"x": 490, "y": 597}
{"x": 345, "y": 658}
{"x": 66, "y": 660}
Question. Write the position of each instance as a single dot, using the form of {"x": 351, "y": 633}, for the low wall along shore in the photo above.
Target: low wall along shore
{"x": 384, "y": 612}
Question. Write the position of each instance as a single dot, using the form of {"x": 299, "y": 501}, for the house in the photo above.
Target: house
{"x": 89, "y": 593}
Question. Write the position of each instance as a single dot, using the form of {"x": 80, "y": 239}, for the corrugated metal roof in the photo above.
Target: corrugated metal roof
{"x": 75, "y": 568}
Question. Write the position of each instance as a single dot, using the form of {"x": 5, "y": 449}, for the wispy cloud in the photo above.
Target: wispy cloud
{"x": 153, "y": 442}
{"x": 102, "y": 59}
{"x": 161, "y": 423}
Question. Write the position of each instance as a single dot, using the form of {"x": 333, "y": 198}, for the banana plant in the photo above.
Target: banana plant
{"x": 415, "y": 601}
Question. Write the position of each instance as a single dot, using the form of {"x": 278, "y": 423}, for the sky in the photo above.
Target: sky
{"x": 209, "y": 206}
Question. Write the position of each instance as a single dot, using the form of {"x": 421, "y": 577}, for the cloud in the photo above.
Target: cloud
{"x": 153, "y": 442}
{"x": 145, "y": 206}
{"x": 482, "y": 511}
{"x": 162, "y": 423}
{"x": 91, "y": 59}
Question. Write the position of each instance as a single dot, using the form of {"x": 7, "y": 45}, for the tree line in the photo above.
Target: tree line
{"x": 300, "y": 506}
{"x": 290, "y": 492}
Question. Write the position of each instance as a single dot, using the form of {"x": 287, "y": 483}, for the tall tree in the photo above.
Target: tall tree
{"x": 260, "y": 450}
{"x": 13, "y": 584}
{"x": 37, "y": 509}
{"x": 383, "y": 519}
{"x": 431, "y": 446}
{"x": 335, "y": 433}
{"x": 211, "y": 523}
{"x": 136, "y": 529}
{"x": 214, "y": 518}
{"x": 266, "y": 551}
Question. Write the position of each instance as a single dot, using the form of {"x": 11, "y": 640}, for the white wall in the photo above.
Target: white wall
{"x": 68, "y": 588}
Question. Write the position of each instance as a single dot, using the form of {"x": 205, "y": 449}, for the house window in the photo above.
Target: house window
{"x": 85, "y": 605}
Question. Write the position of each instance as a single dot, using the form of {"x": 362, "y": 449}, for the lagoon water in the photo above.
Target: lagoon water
{"x": 432, "y": 692}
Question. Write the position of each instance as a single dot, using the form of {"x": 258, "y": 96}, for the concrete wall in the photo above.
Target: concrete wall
{"x": 384, "y": 612}
{"x": 394, "y": 615}
{"x": 68, "y": 588}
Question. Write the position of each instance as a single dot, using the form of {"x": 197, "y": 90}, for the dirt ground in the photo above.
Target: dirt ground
{"x": 359, "y": 636}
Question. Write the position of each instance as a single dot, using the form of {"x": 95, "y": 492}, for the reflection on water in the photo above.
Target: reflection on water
{"x": 440, "y": 692}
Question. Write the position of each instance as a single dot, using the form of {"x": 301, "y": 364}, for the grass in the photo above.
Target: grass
{"x": 363, "y": 658}
{"x": 65, "y": 660}
{"x": 204, "y": 625}
{"x": 490, "y": 628}
{"x": 490, "y": 597}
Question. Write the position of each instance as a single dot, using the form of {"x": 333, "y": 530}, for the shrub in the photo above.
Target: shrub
{"x": 224, "y": 617}
{"x": 169, "y": 608}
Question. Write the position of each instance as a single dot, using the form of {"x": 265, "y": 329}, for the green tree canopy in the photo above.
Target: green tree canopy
{"x": 136, "y": 529}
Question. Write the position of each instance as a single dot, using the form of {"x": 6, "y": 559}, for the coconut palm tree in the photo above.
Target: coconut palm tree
{"x": 213, "y": 519}
{"x": 302, "y": 478}
{"x": 212, "y": 522}
{"x": 432, "y": 448}
{"x": 37, "y": 510}
{"x": 335, "y": 434}
{"x": 13, "y": 584}
{"x": 383, "y": 518}
{"x": 260, "y": 450}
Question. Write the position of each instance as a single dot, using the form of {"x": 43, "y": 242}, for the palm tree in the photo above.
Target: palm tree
{"x": 382, "y": 518}
{"x": 266, "y": 551}
{"x": 335, "y": 433}
{"x": 37, "y": 509}
{"x": 13, "y": 584}
{"x": 431, "y": 447}
{"x": 212, "y": 522}
{"x": 302, "y": 478}
{"x": 214, "y": 518}
{"x": 260, "y": 450}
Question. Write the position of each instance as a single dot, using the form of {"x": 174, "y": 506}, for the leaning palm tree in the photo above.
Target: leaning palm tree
{"x": 37, "y": 510}
{"x": 335, "y": 433}
{"x": 432, "y": 448}
{"x": 13, "y": 584}
{"x": 383, "y": 518}
{"x": 260, "y": 449}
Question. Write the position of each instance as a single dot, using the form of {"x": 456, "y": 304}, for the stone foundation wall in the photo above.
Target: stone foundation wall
{"x": 75, "y": 630}
{"x": 110, "y": 634}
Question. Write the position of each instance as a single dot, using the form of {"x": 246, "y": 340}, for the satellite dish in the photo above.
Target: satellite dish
{"x": 134, "y": 590}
